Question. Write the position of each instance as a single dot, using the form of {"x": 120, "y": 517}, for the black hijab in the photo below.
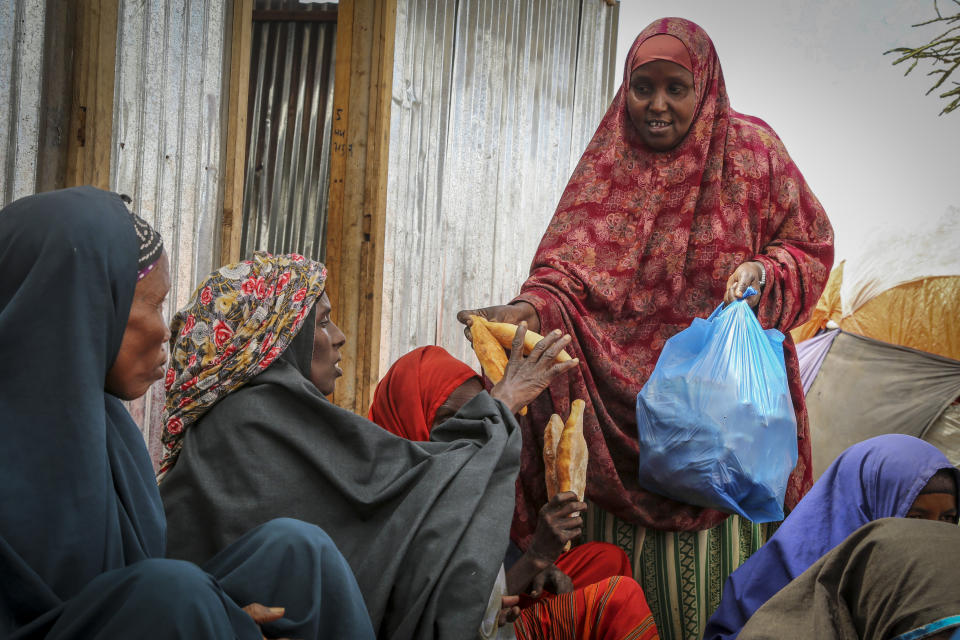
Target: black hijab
{"x": 889, "y": 578}
{"x": 424, "y": 525}
{"x": 77, "y": 492}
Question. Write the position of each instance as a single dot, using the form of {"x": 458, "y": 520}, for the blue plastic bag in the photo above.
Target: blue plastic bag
{"x": 715, "y": 420}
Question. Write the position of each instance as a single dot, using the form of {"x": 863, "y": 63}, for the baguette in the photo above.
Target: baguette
{"x": 551, "y": 438}
{"x": 572, "y": 453}
{"x": 504, "y": 333}
{"x": 489, "y": 352}
{"x": 572, "y": 456}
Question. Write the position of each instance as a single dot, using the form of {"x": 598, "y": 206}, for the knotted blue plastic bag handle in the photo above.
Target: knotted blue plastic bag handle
{"x": 746, "y": 294}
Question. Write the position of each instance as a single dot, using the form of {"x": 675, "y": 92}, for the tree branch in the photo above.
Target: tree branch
{"x": 942, "y": 52}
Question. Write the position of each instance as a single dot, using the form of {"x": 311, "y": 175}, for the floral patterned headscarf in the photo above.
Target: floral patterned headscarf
{"x": 239, "y": 320}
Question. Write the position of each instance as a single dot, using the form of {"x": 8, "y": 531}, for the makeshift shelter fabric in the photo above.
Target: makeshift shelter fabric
{"x": 888, "y": 257}
{"x": 893, "y": 578}
{"x": 918, "y": 314}
{"x": 865, "y": 388}
{"x": 424, "y": 525}
{"x": 921, "y": 315}
{"x": 641, "y": 244}
{"x": 944, "y": 433}
{"x": 878, "y": 478}
{"x": 811, "y": 354}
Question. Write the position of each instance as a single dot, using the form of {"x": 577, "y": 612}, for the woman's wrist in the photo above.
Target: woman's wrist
{"x": 763, "y": 274}
{"x": 528, "y": 314}
{"x": 537, "y": 560}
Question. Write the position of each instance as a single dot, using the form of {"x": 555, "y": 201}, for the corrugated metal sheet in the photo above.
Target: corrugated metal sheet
{"x": 288, "y": 142}
{"x": 493, "y": 103}
{"x": 21, "y": 78}
{"x": 167, "y": 138}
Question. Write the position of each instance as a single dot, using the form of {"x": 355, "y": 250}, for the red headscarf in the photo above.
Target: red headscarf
{"x": 642, "y": 243}
{"x": 406, "y": 400}
{"x": 662, "y": 47}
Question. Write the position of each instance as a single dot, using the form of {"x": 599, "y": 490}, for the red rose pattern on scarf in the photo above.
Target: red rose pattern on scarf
{"x": 642, "y": 243}
{"x": 239, "y": 320}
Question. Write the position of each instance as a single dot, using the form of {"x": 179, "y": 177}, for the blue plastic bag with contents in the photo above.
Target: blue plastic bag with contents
{"x": 715, "y": 419}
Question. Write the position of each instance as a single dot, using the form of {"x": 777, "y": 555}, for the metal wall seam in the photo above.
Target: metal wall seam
{"x": 21, "y": 79}
{"x": 288, "y": 151}
{"x": 167, "y": 142}
{"x": 493, "y": 103}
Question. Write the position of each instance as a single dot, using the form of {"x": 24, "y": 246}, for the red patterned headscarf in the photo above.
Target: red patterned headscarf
{"x": 642, "y": 242}
{"x": 239, "y": 320}
{"x": 406, "y": 400}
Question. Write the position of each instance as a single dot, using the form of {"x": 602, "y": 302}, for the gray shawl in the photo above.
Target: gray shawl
{"x": 424, "y": 525}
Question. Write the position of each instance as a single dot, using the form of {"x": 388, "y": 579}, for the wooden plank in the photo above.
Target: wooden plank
{"x": 91, "y": 116}
{"x": 59, "y": 31}
{"x": 236, "y": 142}
{"x": 358, "y": 172}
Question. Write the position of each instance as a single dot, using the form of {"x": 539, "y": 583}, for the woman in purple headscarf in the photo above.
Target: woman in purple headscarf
{"x": 890, "y": 476}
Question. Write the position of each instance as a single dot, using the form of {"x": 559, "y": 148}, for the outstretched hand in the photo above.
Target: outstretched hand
{"x": 525, "y": 378}
{"x": 746, "y": 275}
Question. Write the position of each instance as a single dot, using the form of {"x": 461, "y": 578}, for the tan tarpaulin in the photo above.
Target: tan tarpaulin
{"x": 828, "y": 308}
{"x": 921, "y": 315}
{"x": 867, "y": 388}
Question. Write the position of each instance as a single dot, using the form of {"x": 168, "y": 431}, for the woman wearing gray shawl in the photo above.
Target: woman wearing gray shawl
{"x": 250, "y": 436}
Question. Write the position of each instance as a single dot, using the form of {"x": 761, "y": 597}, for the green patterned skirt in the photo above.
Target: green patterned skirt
{"x": 682, "y": 574}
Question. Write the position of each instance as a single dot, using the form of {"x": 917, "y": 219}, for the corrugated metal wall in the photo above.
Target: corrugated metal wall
{"x": 288, "y": 142}
{"x": 167, "y": 139}
{"x": 493, "y": 103}
{"x": 21, "y": 77}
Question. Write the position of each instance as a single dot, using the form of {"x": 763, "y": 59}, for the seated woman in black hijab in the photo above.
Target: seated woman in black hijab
{"x": 82, "y": 530}
{"x": 249, "y": 436}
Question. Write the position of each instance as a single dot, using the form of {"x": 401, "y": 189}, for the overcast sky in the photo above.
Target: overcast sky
{"x": 867, "y": 139}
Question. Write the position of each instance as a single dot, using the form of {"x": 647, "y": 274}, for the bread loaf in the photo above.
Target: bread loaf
{"x": 572, "y": 453}
{"x": 491, "y": 355}
{"x": 551, "y": 438}
{"x": 489, "y": 351}
{"x": 504, "y": 333}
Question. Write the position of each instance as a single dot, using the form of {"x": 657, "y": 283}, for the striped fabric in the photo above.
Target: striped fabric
{"x": 681, "y": 573}
{"x": 612, "y": 609}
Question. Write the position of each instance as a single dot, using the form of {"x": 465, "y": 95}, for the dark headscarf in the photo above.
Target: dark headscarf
{"x": 893, "y": 579}
{"x": 424, "y": 525}
{"x": 877, "y": 478}
{"x": 77, "y": 495}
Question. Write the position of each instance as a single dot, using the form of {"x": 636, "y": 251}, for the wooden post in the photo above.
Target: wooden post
{"x": 90, "y": 142}
{"x": 235, "y": 157}
{"x": 358, "y": 189}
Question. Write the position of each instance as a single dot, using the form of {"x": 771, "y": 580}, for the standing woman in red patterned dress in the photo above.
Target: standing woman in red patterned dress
{"x": 678, "y": 204}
